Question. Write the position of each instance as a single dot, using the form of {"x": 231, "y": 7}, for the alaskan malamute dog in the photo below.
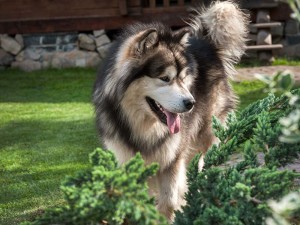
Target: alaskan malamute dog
{"x": 158, "y": 90}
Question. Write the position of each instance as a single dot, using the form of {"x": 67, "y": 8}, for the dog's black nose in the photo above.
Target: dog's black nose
{"x": 189, "y": 103}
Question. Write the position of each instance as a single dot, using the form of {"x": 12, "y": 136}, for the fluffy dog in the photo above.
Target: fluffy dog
{"x": 158, "y": 90}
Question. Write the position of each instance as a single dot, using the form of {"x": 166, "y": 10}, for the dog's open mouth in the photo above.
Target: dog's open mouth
{"x": 172, "y": 120}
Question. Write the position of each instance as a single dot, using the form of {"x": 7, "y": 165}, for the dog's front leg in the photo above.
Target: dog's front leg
{"x": 172, "y": 186}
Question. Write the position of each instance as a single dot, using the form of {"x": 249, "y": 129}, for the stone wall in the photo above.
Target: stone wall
{"x": 62, "y": 50}
{"x": 56, "y": 50}
{"x": 288, "y": 34}
{"x": 290, "y": 39}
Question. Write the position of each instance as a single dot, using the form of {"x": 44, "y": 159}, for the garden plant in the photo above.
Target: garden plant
{"x": 244, "y": 192}
{"x": 256, "y": 189}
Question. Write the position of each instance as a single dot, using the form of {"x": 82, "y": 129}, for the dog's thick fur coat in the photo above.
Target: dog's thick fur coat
{"x": 158, "y": 90}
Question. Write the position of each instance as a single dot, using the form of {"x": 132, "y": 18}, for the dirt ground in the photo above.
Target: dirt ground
{"x": 248, "y": 73}
{"x": 237, "y": 157}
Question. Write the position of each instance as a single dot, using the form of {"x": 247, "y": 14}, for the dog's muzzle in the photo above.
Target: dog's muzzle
{"x": 189, "y": 103}
{"x": 171, "y": 119}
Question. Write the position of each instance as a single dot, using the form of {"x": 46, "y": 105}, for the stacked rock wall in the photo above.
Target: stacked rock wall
{"x": 62, "y": 50}
{"x": 288, "y": 34}
{"x": 56, "y": 50}
{"x": 290, "y": 39}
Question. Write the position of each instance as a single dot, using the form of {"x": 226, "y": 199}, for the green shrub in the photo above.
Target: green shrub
{"x": 239, "y": 194}
{"x": 236, "y": 194}
{"x": 107, "y": 194}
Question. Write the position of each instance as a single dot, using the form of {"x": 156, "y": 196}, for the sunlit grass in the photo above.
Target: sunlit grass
{"x": 277, "y": 62}
{"x": 287, "y": 62}
{"x": 46, "y": 132}
{"x": 248, "y": 92}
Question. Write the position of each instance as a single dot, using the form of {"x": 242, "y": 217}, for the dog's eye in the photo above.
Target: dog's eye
{"x": 165, "y": 79}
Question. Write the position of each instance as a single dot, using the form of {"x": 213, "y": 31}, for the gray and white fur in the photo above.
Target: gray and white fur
{"x": 158, "y": 90}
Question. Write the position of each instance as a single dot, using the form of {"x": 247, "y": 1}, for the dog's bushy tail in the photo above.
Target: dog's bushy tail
{"x": 226, "y": 26}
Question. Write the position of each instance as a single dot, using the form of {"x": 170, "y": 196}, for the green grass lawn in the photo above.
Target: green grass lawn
{"x": 248, "y": 92}
{"x": 47, "y": 131}
{"x": 277, "y": 61}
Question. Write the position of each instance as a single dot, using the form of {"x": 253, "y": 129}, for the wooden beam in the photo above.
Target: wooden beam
{"x": 166, "y": 3}
{"x": 161, "y": 10}
{"x": 19, "y": 10}
{"x": 152, "y": 3}
{"x": 258, "y": 4}
{"x": 281, "y": 13}
{"x": 266, "y": 25}
{"x": 87, "y": 24}
{"x": 263, "y": 47}
{"x": 181, "y": 2}
{"x": 123, "y": 7}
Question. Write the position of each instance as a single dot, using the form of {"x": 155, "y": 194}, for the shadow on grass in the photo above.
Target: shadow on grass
{"x": 30, "y": 185}
{"x": 35, "y": 158}
{"x": 35, "y": 134}
{"x": 31, "y": 191}
{"x": 37, "y": 151}
{"x": 249, "y": 92}
{"x": 51, "y": 85}
{"x": 40, "y": 144}
{"x": 250, "y": 97}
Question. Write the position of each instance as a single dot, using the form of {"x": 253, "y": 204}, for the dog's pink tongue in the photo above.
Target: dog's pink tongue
{"x": 173, "y": 121}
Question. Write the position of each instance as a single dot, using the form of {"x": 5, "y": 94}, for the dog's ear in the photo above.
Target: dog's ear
{"x": 182, "y": 35}
{"x": 146, "y": 41}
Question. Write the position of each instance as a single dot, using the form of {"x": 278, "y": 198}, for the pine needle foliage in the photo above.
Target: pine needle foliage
{"x": 106, "y": 194}
{"x": 239, "y": 194}
{"x": 233, "y": 195}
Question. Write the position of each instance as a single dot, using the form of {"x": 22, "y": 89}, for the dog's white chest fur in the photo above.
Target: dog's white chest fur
{"x": 164, "y": 156}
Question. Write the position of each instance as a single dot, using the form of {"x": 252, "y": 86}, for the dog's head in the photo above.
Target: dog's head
{"x": 149, "y": 73}
{"x": 155, "y": 75}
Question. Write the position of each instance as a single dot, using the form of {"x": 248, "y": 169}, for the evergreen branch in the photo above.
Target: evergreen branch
{"x": 256, "y": 201}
